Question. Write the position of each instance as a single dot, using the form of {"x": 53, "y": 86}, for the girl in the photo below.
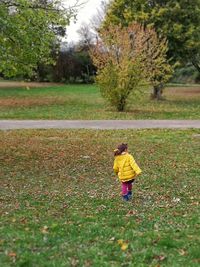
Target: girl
{"x": 126, "y": 168}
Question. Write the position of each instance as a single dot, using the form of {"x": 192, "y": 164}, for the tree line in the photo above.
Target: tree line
{"x": 167, "y": 34}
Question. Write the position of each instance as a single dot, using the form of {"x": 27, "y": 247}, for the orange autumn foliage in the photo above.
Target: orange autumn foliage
{"x": 125, "y": 57}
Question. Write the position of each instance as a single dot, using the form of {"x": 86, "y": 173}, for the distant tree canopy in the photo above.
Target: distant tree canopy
{"x": 177, "y": 20}
{"x": 29, "y": 30}
{"x": 72, "y": 65}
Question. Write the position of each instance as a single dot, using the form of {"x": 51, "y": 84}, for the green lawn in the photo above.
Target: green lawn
{"x": 61, "y": 204}
{"x": 85, "y": 102}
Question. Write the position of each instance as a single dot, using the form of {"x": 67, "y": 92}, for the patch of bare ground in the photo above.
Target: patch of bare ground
{"x": 13, "y": 84}
{"x": 28, "y": 102}
{"x": 191, "y": 92}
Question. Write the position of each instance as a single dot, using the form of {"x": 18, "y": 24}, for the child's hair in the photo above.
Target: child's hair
{"x": 120, "y": 149}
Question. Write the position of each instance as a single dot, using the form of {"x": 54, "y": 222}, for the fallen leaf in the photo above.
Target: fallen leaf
{"x": 124, "y": 246}
{"x": 45, "y": 230}
{"x": 176, "y": 200}
{"x": 160, "y": 257}
{"x": 86, "y": 157}
{"x": 131, "y": 212}
{"x": 120, "y": 241}
{"x": 12, "y": 254}
{"x": 182, "y": 252}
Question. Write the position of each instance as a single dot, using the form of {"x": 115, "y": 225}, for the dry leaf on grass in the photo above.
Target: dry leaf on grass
{"x": 12, "y": 254}
{"x": 44, "y": 230}
{"x": 123, "y": 244}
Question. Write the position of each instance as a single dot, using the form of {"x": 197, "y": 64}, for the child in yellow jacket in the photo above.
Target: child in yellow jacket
{"x": 126, "y": 168}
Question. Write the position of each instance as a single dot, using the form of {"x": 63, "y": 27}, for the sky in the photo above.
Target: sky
{"x": 85, "y": 13}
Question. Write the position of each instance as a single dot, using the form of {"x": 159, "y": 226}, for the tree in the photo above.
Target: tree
{"x": 97, "y": 20}
{"x": 29, "y": 32}
{"x": 121, "y": 57}
{"x": 72, "y": 64}
{"x": 87, "y": 36}
{"x": 157, "y": 69}
{"x": 88, "y": 32}
{"x": 177, "y": 20}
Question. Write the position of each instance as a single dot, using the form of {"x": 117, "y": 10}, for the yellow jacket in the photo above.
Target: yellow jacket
{"x": 126, "y": 167}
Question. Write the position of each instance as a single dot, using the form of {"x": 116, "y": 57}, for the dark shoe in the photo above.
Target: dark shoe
{"x": 129, "y": 194}
{"x": 125, "y": 197}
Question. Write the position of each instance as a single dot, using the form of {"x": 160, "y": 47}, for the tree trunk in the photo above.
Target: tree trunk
{"x": 121, "y": 104}
{"x": 157, "y": 92}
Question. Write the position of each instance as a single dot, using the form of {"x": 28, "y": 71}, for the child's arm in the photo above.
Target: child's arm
{"x": 115, "y": 168}
{"x": 134, "y": 165}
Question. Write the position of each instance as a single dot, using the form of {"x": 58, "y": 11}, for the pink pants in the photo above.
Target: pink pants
{"x": 127, "y": 186}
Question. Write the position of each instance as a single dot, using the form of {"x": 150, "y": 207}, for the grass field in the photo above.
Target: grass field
{"x": 61, "y": 204}
{"x": 85, "y": 102}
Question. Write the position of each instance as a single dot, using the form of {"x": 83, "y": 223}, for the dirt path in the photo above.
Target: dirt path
{"x": 98, "y": 124}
